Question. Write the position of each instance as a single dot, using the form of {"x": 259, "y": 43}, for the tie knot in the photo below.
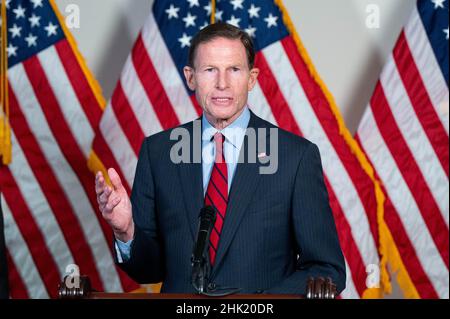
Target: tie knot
{"x": 218, "y": 140}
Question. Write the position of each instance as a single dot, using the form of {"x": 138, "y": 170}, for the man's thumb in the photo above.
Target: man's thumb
{"x": 115, "y": 179}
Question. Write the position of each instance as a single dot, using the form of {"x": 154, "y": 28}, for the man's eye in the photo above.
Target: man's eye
{"x": 235, "y": 69}
{"x": 209, "y": 70}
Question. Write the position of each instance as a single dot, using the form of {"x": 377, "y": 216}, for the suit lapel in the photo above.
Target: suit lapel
{"x": 243, "y": 186}
{"x": 192, "y": 184}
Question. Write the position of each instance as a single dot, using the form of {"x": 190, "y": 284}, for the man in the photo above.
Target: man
{"x": 272, "y": 232}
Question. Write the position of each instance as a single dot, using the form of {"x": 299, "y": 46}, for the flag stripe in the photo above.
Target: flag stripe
{"x": 410, "y": 172}
{"x": 138, "y": 101}
{"x": 153, "y": 88}
{"x": 430, "y": 70}
{"x": 25, "y": 221}
{"x": 312, "y": 129}
{"x": 92, "y": 110}
{"x": 405, "y": 206}
{"x": 63, "y": 211}
{"x": 318, "y": 102}
{"x": 415, "y": 269}
{"x": 420, "y": 101}
{"x": 127, "y": 119}
{"x": 17, "y": 288}
{"x": 27, "y": 270}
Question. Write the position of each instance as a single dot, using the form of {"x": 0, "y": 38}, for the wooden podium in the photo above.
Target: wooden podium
{"x": 317, "y": 288}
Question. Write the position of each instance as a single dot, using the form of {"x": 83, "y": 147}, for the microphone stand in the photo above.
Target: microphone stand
{"x": 200, "y": 274}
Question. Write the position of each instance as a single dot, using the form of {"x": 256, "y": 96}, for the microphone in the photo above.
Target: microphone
{"x": 200, "y": 267}
{"x": 207, "y": 218}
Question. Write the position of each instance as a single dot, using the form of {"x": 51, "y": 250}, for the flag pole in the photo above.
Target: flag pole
{"x": 213, "y": 11}
{"x": 5, "y": 131}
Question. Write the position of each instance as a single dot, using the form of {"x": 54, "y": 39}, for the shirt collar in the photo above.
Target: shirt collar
{"x": 234, "y": 133}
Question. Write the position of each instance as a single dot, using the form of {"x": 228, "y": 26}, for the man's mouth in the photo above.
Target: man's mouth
{"x": 222, "y": 100}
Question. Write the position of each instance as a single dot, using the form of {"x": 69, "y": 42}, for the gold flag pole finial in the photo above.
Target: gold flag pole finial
{"x": 5, "y": 130}
{"x": 213, "y": 11}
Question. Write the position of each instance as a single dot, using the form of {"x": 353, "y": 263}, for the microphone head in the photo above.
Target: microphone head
{"x": 208, "y": 213}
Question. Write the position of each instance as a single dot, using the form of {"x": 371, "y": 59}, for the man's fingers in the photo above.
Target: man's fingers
{"x": 99, "y": 183}
{"x": 112, "y": 203}
{"x": 115, "y": 179}
{"x": 103, "y": 198}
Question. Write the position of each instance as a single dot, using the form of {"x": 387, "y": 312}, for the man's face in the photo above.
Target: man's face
{"x": 221, "y": 79}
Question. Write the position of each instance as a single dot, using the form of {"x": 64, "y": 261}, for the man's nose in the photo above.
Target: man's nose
{"x": 222, "y": 81}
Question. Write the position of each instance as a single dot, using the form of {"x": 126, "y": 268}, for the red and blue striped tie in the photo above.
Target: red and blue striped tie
{"x": 217, "y": 195}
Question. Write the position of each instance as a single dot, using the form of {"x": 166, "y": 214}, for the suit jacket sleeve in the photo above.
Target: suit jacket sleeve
{"x": 146, "y": 261}
{"x": 315, "y": 231}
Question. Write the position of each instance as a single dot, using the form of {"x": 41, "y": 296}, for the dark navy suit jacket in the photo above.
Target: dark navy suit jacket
{"x": 278, "y": 230}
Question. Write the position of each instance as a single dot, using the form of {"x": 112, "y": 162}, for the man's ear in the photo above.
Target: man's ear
{"x": 190, "y": 78}
{"x": 253, "y": 78}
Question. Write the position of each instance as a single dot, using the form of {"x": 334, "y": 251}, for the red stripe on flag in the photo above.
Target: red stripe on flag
{"x": 410, "y": 171}
{"x": 421, "y": 102}
{"x": 197, "y": 106}
{"x": 79, "y": 83}
{"x": 17, "y": 289}
{"x": 127, "y": 119}
{"x": 55, "y": 195}
{"x": 351, "y": 251}
{"x": 153, "y": 86}
{"x": 318, "y": 101}
{"x": 30, "y": 231}
{"x": 280, "y": 108}
{"x": 407, "y": 252}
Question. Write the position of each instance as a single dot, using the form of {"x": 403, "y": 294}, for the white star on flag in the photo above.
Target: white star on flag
{"x": 251, "y": 31}
{"x": 438, "y": 3}
{"x": 172, "y": 12}
{"x": 15, "y": 31}
{"x": 31, "y": 40}
{"x": 193, "y": 3}
{"x": 20, "y": 12}
{"x": 34, "y": 21}
{"x": 271, "y": 20}
{"x": 208, "y": 9}
{"x": 234, "y": 21}
{"x": 185, "y": 40}
{"x": 189, "y": 20}
{"x": 204, "y": 25}
{"x": 254, "y": 11}
{"x": 7, "y": 3}
{"x": 219, "y": 15}
{"x": 37, "y": 3}
{"x": 446, "y": 33}
{"x": 237, "y": 4}
{"x": 11, "y": 50}
{"x": 51, "y": 29}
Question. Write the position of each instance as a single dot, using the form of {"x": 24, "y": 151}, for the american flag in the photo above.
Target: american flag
{"x": 404, "y": 133}
{"x": 48, "y": 198}
{"x": 151, "y": 96}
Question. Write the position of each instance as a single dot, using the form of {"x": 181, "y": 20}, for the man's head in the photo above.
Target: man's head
{"x": 220, "y": 70}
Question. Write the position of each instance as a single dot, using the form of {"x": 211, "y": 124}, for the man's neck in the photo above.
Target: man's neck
{"x": 221, "y": 124}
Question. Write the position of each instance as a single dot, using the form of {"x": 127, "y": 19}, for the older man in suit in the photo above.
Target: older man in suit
{"x": 274, "y": 229}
